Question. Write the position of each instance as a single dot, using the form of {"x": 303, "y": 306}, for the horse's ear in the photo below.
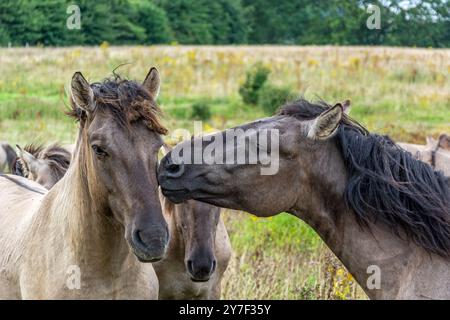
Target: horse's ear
{"x": 28, "y": 160}
{"x": 166, "y": 149}
{"x": 346, "y": 106}
{"x": 152, "y": 82}
{"x": 444, "y": 141}
{"x": 326, "y": 124}
{"x": 82, "y": 94}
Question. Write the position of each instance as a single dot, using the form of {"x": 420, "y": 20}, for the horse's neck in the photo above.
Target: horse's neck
{"x": 377, "y": 254}
{"x": 403, "y": 266}
{"x": 176, "y": 249}
{"x": 364, "y": 252}
{"x": 443, "y": 161}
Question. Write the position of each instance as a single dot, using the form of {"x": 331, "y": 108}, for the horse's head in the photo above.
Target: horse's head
{"x": 260, "y": 167}
{"x": 196, "y": 222}
{"x": 117, "y": 148}
{"x": 46, "y": 166}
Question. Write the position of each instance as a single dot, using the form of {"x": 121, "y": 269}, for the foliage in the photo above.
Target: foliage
{"x": 154, "y": 21}
{"x": 272, "y": 97}
{"x": 403, "y": 23}
{"x": 201, "y": 111}
{"x": 36, "y": 22}
{"x": 255, "y": 79}
{"x": 118, "y": 22}
{"x": 206, "y": 22}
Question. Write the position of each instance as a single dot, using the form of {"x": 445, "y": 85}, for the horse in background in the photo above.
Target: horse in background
{"x": 199, "y": 250}
{"x": 45, "y": 165}
{"x": 435, "y": 152}
{"x": 7, "y": 157}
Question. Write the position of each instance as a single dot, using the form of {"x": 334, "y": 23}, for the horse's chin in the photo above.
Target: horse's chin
{"x": 177, "y": 196}
{"x": 145, "y": 260}
{"x": 199, "y": 280}
{"x": 145, "y": 256}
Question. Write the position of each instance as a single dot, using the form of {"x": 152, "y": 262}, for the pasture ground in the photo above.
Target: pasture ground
{"x": 401, "y": 92}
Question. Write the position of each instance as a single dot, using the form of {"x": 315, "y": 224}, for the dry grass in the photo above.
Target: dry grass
{"x": 289, "y": 275}
{"x": 282, "y": 258}
{"x": 384, "y": 84}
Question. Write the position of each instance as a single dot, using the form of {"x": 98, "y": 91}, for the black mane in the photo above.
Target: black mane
{"x": 386, "y": 184}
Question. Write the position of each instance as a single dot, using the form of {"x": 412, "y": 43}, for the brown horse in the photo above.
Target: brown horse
{"x": 87, "y": 236}
{"x": 385, "y": 214}
{"x": 199, "y": 249}
{"x": 436, "y": 152}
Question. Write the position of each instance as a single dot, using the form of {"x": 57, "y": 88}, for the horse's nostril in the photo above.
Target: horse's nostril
{"x": 137, "y": 238}
{"x": 148, "y": 247}
{"x": 172, "y": 167}
{"x": 201, "y": 270}
{"x": 174, "y": 170}
{"x": 190, "y": 267}
{"x": 167, "y": 234}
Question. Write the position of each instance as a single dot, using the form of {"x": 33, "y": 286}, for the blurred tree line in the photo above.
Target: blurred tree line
{"x": 343, "y": 22}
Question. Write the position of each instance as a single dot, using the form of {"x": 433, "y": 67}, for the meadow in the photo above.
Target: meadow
{"x": 402, "y": 92}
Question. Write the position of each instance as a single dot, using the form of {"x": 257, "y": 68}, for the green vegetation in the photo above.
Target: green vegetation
{"x": 272, "y": 97}
{"x": 201, "y": 111}
{"x": 255, "y": 79}
{"x": 206, "y": 22}
{"x": 119, "y": 22}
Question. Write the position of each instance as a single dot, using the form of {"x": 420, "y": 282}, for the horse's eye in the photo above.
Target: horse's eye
{"x": 99, "y": 151}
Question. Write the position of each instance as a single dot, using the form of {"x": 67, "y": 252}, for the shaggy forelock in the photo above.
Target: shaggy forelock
{"x": 127, "y": 100}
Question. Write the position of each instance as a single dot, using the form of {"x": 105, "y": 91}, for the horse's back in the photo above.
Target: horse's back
{"x": 441, "y": 156}
{"x": 18, "y": 193}
{"x": 411, "y": 147}
{"x": 19, "y": 200}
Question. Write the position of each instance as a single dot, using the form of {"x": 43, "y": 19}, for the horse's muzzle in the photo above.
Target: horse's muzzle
{"x": 150, "y": 248}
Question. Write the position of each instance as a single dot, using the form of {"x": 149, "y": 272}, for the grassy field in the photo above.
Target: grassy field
{"x": 401, "y": 92}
